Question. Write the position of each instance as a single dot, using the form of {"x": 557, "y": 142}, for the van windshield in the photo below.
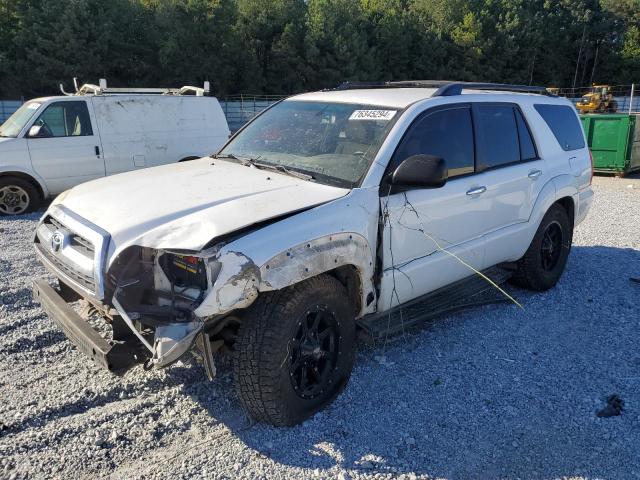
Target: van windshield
{"x": 333, "y": 142}
{"x": 16, "y": 122}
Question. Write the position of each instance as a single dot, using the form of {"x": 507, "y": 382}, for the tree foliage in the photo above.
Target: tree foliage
{"x": 286, "y": 46}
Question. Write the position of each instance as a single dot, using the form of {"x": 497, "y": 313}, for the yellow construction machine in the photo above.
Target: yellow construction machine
{"x": 598, "y": 100}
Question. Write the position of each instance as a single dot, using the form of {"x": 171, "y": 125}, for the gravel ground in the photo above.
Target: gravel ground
{"x": 495, "y": 392}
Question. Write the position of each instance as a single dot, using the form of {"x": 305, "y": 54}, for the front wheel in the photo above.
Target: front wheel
{"x": 17, "y": 196}
{"x": 295, "y": 351}
{"x": 543, "y": 263}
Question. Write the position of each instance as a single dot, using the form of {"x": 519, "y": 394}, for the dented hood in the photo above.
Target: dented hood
{"x": 185, "y": 205}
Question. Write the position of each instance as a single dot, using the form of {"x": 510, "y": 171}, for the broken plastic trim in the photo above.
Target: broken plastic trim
{"x": 126, "y": 317}
{"x": 171, "y": 341}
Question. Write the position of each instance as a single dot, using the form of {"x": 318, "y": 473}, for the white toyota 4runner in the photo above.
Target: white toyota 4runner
{"x": 366, "y": 207}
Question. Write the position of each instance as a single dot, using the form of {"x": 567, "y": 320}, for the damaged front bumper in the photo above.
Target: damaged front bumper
{"x": 170, "y": 340}
{"x": 128, "y": 346}
{"x": 117, "y": 355}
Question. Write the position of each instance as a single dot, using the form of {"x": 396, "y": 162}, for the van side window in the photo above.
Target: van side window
{"x": 498, "y": 142}
{"x": 527, "y": 147}
{"x": 563, "y": 122}
{"x": 444, "y": 133}
{"x": 65, "y": 119}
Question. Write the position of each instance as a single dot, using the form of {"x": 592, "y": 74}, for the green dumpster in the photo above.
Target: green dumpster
{"x": 614, "y": 140}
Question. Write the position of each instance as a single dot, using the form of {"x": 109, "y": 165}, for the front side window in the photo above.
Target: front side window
{"x": 333, "y": 142}
{"x": 498, "y": 142}
{"x": 563, "y": 122}
{"x": 65, "y": 119}
{"x": 16, "y": 122}
{"x": 447, "y": 134}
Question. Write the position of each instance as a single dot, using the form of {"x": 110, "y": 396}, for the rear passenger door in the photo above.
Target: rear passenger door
{"x": 509, "y": 172}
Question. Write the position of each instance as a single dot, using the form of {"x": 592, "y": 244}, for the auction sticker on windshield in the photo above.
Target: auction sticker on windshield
{"x": 372, "y": 115}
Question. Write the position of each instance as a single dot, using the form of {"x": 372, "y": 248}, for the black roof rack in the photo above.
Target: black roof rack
{"x": 445, "y": 88}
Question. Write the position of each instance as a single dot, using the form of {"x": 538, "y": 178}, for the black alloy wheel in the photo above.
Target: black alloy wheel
{"x": 551, "y": 247}
{"x": 314, "y": 352}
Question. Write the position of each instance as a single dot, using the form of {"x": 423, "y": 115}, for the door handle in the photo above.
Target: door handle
{"x": 533, "y": 174}
{"x": 97, "y": 151}
{"x": 476, "y": 191}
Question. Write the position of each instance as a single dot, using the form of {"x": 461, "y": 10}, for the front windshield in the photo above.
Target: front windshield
{"x": 333, "y": 142}
{"x": 16, "y": 122}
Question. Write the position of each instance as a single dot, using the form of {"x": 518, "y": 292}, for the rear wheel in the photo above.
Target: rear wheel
{"x": 543, "y": 264}
{"x": 295, "y": 351}
{"x": 17, "y": 196}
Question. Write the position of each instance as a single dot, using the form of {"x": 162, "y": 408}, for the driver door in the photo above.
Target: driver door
{"x": 66, "y": 151}
{"x": 431, "y": 237}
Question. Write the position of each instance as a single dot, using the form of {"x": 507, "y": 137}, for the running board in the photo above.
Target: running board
{"x": 469, "y": 292}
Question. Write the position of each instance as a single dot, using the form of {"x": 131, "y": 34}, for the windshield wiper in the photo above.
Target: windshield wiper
{"x": 246, "y": 161}
{"x": 224, "y": 155}
{"x": 253, "y": 162}
{"x": 283, "y": 169}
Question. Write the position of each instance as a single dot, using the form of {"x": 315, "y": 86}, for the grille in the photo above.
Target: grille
{"x": 84, "y": 280}
{"x": 82, "y": 245}
{"x": 78, "y": 242}
{"x": 64, "y": 260}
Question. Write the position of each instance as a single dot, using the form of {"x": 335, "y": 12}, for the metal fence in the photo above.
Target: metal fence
{"x": 238, "y": 109}
{"x": 7, "y": 107}
{"x": 626, "y": 97}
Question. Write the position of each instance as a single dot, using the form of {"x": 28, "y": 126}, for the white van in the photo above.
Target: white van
{"x": 52, "y": 144}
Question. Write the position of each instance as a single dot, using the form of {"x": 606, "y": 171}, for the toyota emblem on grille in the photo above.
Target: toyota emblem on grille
{"x": 56, "y": 241}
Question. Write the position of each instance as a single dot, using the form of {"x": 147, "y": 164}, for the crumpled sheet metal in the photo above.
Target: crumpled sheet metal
{"x": 240, "y": 280}
{"x": 236, "y": 286}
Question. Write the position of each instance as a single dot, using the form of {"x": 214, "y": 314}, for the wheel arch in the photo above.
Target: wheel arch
{"x": 40, "y": 188}
{"x": 569, "y": 205}
{"x": 345, "y": 256}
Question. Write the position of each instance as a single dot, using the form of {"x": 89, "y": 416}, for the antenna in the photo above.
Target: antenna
{"x": 207, "y": 87}
{"x": 75, "y": 83}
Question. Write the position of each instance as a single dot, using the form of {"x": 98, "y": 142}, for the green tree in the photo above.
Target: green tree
{"x": 272, "y": 35}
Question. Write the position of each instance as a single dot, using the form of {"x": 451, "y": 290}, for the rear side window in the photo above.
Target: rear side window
{"x": 498, "y": 142}
{"x": 527, "y": 147}
{"x": 563, "y": 122}
{"x": 444, "y": 133}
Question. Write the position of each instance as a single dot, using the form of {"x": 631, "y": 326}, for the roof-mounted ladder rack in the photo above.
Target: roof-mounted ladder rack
{"x": 102, "y": 89}
{"x": 445, "y": 88}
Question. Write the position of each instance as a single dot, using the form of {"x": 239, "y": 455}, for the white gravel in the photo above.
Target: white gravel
{"x": 491, "y": 393}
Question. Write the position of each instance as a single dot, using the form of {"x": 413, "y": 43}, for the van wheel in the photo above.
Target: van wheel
{"x": 295, "y": 351}
{"x": 17, "y": 196}
{"x": 543, "y": 264}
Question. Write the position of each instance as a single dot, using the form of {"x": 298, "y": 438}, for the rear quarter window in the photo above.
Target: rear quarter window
{"x": 563, "y": 122}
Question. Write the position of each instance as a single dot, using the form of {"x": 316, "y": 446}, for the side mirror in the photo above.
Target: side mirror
{"x": 36, "y": 131}
{"x": 420, "y": 171}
